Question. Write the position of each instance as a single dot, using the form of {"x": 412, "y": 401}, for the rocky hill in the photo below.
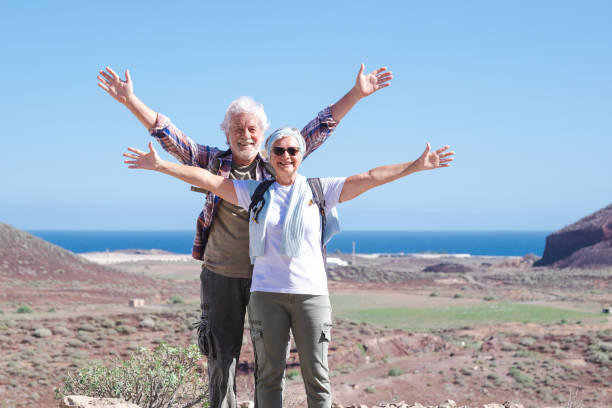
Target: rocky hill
{"x": 586, "y": 243}
{"x": 32, "y": 270}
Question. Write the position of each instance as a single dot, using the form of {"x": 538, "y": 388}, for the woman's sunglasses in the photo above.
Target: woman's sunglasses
{"x": 279, "y": 151}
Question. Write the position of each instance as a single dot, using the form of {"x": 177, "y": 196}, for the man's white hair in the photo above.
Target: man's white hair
{"x": 245, "y": 104}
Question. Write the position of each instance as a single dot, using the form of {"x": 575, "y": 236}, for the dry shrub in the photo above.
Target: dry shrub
{"x": 164, "y": 377}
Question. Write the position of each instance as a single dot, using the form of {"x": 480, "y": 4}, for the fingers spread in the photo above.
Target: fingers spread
{"x": 139, "y": 152}
{"x": 379, "y": 70}
{"x": 103, "y": 80}
{"x": 384, "y": 78}
{"x": 103, "y": 86}
{"x": 106, "y": 76}
{"x": 115, "y": 76}
{"x": 443, "y": 148}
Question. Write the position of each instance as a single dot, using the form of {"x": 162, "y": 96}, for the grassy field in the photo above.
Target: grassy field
{"x": 459, "y": 314}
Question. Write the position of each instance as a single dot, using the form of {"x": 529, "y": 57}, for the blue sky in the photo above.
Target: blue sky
{"x": 520, "y": 90}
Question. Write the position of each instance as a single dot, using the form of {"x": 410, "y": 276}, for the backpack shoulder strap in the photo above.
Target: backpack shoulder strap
{"x": 257, "y": 199}
{"x": 319, "y": 199}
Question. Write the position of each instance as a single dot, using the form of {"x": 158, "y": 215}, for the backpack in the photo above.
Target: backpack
{"x": 258, "y": 201}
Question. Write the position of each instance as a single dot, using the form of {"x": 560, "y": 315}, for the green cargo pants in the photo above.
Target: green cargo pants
{"x": 271, "y": 315}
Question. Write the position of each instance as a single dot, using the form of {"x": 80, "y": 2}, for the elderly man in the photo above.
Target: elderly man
{"x": 222, "y": 241}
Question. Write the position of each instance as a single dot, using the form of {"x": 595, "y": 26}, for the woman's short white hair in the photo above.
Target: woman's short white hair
{"x": 245, "y": 104}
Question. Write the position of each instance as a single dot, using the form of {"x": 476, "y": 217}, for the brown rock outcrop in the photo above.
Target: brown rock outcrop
{"x": 448, "y": 267}
{"x": 585, "y": 243}
{"x": 598, "y": 255}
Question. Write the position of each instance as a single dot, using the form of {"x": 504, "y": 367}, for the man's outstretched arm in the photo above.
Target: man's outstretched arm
{"x": 365, "y": 85}
{"x": 322, "y": 126}
{"x": 123, "y": 92}
{"x": 171, "y": 138}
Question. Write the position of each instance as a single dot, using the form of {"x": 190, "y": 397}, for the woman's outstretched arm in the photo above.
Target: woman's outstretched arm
{"x": 197, "y": 176}
{"x": 360, "y": 183}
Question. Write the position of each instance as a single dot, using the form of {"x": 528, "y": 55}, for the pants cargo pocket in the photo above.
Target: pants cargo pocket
{"x": 324, "y": 341}
{"x": 202, "y": 328}
{"x": 260, "y": 350}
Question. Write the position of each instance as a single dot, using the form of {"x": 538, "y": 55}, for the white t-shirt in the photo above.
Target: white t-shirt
{"x": 278, "y": 273}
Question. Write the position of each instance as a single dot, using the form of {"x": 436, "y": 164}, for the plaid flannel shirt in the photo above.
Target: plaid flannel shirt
{"x": 186, "y": 151}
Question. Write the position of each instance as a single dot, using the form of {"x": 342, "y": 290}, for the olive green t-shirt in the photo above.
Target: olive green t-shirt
{"x": 227, "y": 250}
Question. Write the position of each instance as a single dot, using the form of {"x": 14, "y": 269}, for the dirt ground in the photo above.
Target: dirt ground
{"x": 548, "y": 363}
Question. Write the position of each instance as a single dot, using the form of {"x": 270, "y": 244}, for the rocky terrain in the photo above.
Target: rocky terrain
{"x": 79, "y": 401}
{"x": 583, "y": 244}
{"x": 476, "y": 330}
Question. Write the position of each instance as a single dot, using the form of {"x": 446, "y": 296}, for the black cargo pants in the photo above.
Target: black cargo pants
{"x": 223, "y": 301}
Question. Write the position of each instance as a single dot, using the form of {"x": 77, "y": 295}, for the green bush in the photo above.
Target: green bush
{"x": 457, "y": 296}
{"x": 292, "y": 374}
{"x": 466, "y": 371}
{"x": 604, "y": 346}
{"x": 125, "y": 329}
{"x": 520, "y": 377}
{"x": 163, "y": 377}
{"x": 362, "y": 348}
{"x": 86, "y": 327}
{"x": 527, "y": 341}
{"x": 177, "y": 300}
{"x": 75, "y": 343}
{"x": 25, "y": 309}
{"x": 395, "y": 372}
{"x": 598, "y": 357}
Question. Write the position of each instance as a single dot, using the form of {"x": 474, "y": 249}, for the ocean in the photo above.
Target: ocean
{"x": 499, "y": 243}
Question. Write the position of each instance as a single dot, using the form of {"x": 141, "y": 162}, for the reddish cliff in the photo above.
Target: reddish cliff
{"x": 584, "y": 244}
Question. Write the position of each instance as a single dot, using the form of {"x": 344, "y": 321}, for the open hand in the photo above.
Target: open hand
{"x": 142, "y": 160}
{"x": 432, "y": 160}
{"x": 372, "y": 82}
{"x": 117, "y": 88}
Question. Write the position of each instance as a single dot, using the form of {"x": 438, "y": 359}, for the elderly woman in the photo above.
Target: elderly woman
{"x": 289, "y": 288}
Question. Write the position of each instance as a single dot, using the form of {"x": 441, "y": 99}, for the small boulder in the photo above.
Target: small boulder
{"x": 136, "y": 302}
{"x": 41, "y": 333}
{"x": 79, "y": 401}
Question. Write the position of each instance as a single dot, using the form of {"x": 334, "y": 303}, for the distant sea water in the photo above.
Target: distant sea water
{"x": 500, "y": 243}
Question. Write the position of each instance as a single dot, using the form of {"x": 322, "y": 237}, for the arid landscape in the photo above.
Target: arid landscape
{"x": 423, "y": 328}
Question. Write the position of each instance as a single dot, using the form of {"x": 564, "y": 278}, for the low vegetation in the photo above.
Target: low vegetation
{"x": 164, "y": 377}
{"x": 424, "y": 318}
{"x": 25, "y": 309}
